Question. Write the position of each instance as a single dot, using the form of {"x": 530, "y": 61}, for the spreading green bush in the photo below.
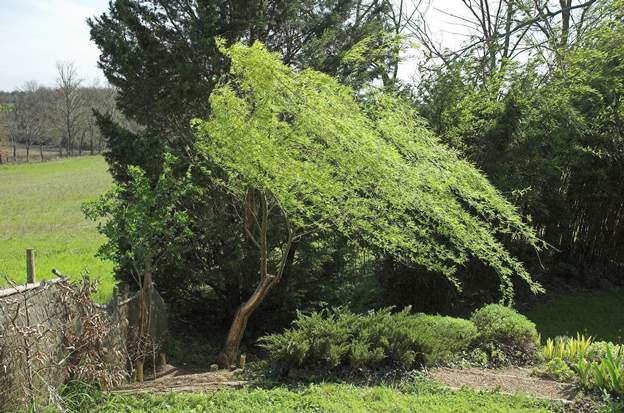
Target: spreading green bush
{"x": 443, "y": 338}
{"x": 555, "y": 369}
{"x": 507, "y": 336}
{"x": 598, "y": 350}
{"x": 338, "y": 340}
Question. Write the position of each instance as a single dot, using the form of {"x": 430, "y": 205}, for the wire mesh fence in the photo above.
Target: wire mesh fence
{"x": 52, "y": 333}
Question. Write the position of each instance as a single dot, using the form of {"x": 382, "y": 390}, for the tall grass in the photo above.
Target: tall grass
{"x": 40, "y": 208}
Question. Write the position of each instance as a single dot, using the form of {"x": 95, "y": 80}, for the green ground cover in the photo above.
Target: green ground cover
{"x": 40, "y": 207}
{"x": 422, "y": 397}
{"x": 599, "y": 314}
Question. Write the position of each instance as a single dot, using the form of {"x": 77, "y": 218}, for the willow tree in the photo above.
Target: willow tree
{"x": 301, "y": 154}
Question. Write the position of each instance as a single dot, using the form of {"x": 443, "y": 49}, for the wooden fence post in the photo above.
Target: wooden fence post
{"x": 31, "y": 272}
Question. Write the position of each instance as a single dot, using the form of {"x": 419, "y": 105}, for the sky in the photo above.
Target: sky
{"x": 36, "y": 34}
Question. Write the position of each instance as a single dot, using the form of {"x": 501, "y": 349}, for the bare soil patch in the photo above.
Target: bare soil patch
{"x": 512, "y": 380}
{"x": 172, "y": 379}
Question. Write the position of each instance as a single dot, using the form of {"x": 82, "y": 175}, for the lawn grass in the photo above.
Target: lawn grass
{"x": 40, "y": 208}
{"x": 328, "y": 398}
{"x": 599, "y": 314}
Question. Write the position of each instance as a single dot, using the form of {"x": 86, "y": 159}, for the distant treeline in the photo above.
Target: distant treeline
{"x": 60, "y": 117}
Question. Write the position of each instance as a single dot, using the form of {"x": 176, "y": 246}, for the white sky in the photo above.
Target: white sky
{"x": 35, "y": 34}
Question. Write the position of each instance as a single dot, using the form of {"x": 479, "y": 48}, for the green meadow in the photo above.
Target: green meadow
{"x": 40, "y": 208}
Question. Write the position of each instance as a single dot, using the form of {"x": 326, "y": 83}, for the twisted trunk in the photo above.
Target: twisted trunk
{"x": 228, "y": 354}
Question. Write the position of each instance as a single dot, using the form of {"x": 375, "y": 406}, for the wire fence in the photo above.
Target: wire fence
{"x": 52, "y": 333}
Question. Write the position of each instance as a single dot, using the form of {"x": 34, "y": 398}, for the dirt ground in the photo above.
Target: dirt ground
{"x": 513, "y": 380}
{"x": 173, "y": 379}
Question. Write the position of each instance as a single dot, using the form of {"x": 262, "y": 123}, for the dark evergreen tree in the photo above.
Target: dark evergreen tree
{"x": 162, "y": 57}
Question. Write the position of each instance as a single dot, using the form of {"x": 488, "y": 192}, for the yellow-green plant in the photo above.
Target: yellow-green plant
{"x": 608, "y": 374}
{"x": 570, "y": 349}
{"x": 583, "y": 369}
{"x": 577, "y": 348}
{"x": 549, "y": 349}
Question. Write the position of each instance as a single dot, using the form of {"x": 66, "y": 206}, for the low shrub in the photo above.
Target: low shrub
{"x": 598, "y": 349}
{"x": 443, "y": 338}
{"x": 506, "y": 335}
{"x": 556, "y": 369}
{"x": 338, "y": 340}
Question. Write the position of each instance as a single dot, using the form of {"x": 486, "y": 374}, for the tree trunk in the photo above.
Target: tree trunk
{"x": 41, "y": 151}
{"x": 27, "y": 153}
{"x": 565, "y": 23}
{"x": 14, "y": 152}
{"x": 91, "y": 140}
{"x": 81, "y": 142}
{"x": 228, "y": 355}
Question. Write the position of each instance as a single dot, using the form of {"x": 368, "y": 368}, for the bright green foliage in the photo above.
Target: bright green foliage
{"x": 506, "y": 334}
{"x": 150, "y": 226}
{"x": 162, "y": 57}
{"x": 370, "y": 171}
{"x": 339, "y": 340}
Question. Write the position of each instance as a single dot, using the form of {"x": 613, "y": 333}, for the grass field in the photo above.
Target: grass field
{"x": 599, "y": 314}
{"x": 40, "y": 208}
{"x": 419, "y": 398}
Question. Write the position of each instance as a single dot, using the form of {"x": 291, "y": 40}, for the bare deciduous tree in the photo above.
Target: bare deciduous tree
{"x": 71, "y": 104}
{"x": 498, "y": 31}
{"x": 30, "y": 115}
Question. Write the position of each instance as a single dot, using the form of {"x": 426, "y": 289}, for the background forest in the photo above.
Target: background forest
{"x": 46, "y": 122}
